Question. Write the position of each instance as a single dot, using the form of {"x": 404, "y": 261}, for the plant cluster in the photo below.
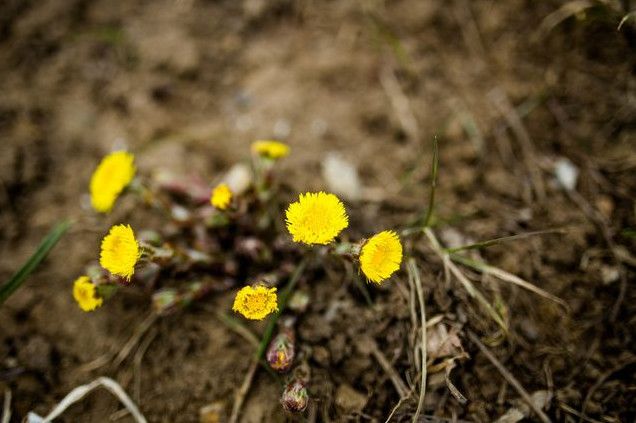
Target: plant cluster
{"x": 217, "y": 238}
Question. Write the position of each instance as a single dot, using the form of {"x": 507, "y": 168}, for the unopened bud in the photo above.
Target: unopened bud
{"x": 295, "y": 397}
{"x": 281, "y": 351}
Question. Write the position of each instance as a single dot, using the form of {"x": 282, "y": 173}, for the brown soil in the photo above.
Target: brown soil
{"x": 187, "y": 85}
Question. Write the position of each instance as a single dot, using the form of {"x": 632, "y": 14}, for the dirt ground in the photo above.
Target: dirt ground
{"x": 510, "y": 89}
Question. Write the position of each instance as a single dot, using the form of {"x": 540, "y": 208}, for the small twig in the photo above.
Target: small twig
{"x": 242, "y": 392}
{"x": 139, "y": 356}
{"x": 420, "y": 295}
{"x": 509, "y": 377}
{"x": 370, "y": 344}
{"x": 397, "y": 406}
{"x": 81, "y": 391}
{"x": 6, "y": 409}
{"x": 563, "y": 406}
{"x": 600, "y": 382}
{"x": 134, "y": 339}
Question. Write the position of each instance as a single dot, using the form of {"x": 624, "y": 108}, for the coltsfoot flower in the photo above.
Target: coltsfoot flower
{"x": 221, "y": 197}
{"x": 85, "y": 294}
{"x": 256, "y": 302}
{"x": 112, "y": 175}
{"x": 381, "y": 256}
{"x": 316, "y": 218}
{"x": 270, "y": 149}
{"x": 120, "y": 251}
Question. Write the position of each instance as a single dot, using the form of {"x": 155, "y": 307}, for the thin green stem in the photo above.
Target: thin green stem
{"x": 494, "y": 241}
{"x": 282, "y": 304}
{"x": 431, "y": 200}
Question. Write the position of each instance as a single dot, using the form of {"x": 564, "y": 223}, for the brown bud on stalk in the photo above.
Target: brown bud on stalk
{"x": 282, "y": 349}
{"x": 295, "y": 397}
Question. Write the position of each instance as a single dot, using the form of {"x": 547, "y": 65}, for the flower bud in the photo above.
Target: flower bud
{"x": 281, "y": 351}
{"x": 295, "y": 397}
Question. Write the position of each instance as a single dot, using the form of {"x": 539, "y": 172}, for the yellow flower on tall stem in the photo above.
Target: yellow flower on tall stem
{"x": 85, "y": 293}
{"x": 256, "y": 302}
{"x": 316, "y": 218}
{"x": 381, "y": 256}
{"x": 270, "y": 149}
{"x": 221, "y": 197}
{"x": 120, "y": 251}
{"x": 109, "y": 179}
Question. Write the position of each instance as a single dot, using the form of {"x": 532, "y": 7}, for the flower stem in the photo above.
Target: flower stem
{"x": 283, "y": 299}
{"x": 431, "y": 200}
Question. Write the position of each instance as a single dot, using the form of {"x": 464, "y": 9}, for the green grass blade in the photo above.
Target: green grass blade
{"x": 32, "y": 263}
{"x": 431, "y": 200}
{"x": 495, "y": 241}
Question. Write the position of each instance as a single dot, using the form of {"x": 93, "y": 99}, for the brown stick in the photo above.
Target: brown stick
{"x": 509, "y": 377}
{"x": 242, "y": 392}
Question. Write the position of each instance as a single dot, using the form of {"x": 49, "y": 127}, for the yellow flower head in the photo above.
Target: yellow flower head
{"x": 316, "y": 218}
{"x": 381, "y": 256}
{"x": 221, "y": 197}
{"x": 120, "y": 251}
{"x": 85, "y": 294}
{"x": 256, "y": 302}
{"x": 270, "y": 149}
{"x": 113, "y": 174}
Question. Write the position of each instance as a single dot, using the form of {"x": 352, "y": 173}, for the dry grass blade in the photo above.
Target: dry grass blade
{"x": 625, "y": 19}
{"x": 242, "y": 392}
{"x": 6, "y": 408}
{"x": 507, "y": 277}
{"x": 415, "y": 275}
{"x": 468, "y": 285}
{"x": 601, "y": 380}
{"x": 562, "y": 13}
{"x": 502, "y": 103}
{"x": 400, "y": 103}
{"x": 509, "y": 377}
{"x": 134, "y": 339}
{"x": 81, "y": 391}
{"x": 368, "y": 344}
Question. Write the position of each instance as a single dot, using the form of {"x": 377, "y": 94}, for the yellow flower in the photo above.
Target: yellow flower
{"x": 381, "y": 256}
{"x": 113, "y": 174}
{"x": 85, "y": 294}
{"x": 120, "y": 251}
{"x": 256, "y": 302}
{"x": 270, "y": 149}
{"x": 221, "y": 197}
{"x": 316, "y": 218}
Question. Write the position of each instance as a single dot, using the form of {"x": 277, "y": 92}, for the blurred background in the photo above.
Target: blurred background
{"x": 534, "y": 106}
